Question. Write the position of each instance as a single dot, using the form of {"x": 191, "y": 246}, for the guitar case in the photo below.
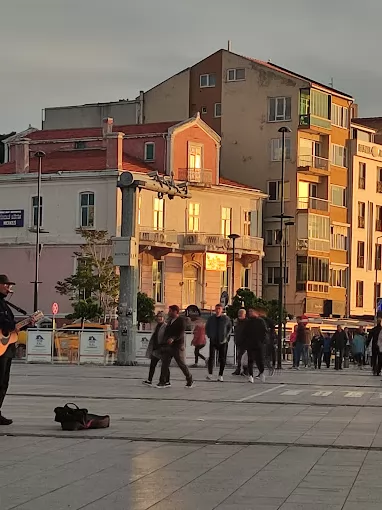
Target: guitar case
{"x": 72, "y": 417}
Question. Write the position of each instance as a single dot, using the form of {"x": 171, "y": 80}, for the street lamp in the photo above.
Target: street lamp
{"x": 233, "y": 238}
{"x": 286, "y": 225}
{"x": 40, "y": 155}
{"x": 283, "y": 130}
{"x": 376, "y": 281}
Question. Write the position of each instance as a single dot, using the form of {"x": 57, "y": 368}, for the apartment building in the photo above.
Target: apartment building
{"x": 366, "y": 219}
{"x": 185, "y": 254}
{"x": 247, "y": 101}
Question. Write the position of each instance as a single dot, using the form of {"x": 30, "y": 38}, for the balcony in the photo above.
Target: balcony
{"x": 317, "y": 287}
{"x": 205, "y": 242}
{"x": 197, "y": 176}
{"x": 314, "y": 124}
{"x": 305, "y": 245}
{"x": 318, "y": 204}
{"x": 163, "y": 241}
{"x": 250, "y": 244}
{"x": 313, "y": 164}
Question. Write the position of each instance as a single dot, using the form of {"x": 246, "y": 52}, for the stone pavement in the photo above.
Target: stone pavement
{"x": 308, "y": 439}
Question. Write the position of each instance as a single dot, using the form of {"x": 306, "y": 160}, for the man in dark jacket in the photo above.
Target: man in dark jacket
{"x": 7, "y": 325}
{"x": 218, "y": 330}
{"x": 239, "y": 330}
{"x": 174, "y": 340}
{"x": 339, "y": 340}
{"x": 373, "y": 338}
{"x": 254, "y": 339}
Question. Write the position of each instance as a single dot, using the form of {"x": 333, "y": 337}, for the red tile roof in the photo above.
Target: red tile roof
{"x": 80, "y": 133}
{"x": 228, "y": 182}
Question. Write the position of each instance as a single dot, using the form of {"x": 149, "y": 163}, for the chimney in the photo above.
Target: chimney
{"x": 22, "y": 156}
{"x": 114, "y": 145}
{"x": 229, "y": 45}
{"x": 107, "y": 126}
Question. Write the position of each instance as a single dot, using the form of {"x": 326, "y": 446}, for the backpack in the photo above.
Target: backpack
{"x": 74, "y": 418}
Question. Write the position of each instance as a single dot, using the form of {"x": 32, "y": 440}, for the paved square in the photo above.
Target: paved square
{"x": 308, "y": 439}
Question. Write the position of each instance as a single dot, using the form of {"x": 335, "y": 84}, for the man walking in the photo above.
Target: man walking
{"x": 254, "y": 340}
{"x": 239, "y": 330}
{"x": 218, "y": 330}
{"x": 174, "y": 340}
{"x": 373, "y": 338}
{"x": 339, "y": 343}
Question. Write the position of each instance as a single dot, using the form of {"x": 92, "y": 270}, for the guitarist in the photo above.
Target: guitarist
{"x": 7, "y": 325}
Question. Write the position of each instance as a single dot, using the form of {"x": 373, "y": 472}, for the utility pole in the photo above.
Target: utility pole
{"x": 126, "y": 251}
{"x": 40, "y": 155}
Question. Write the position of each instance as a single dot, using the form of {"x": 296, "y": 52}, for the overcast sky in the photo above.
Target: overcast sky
{"x": 66, "y": 52}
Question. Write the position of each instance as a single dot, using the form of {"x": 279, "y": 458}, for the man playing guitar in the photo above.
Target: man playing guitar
{"x": 7, "y": 325}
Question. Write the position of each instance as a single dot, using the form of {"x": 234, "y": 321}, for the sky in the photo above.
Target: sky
{"x": 67, "y": 52}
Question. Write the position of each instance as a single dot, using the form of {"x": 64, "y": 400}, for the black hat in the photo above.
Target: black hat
{"x": 4, "y": 280}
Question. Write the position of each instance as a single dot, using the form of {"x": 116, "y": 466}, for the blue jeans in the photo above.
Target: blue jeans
{"x": 305, "y": 355}
{"x": 297, "y": 351}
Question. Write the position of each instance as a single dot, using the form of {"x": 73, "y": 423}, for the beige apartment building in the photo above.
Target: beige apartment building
{"x": 246, "y": 101}
{"x": 366, "y": 219}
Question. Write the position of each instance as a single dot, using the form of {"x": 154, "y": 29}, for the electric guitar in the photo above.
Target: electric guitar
{"x": 11, "y": 338}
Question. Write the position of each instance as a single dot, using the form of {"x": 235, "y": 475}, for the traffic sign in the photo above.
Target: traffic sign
{"x": 55, "y": 308}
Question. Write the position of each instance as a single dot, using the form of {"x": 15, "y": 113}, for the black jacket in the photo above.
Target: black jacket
{"x": 218, "y": 329}
{"x": 7, "y": 324}
{"x": 373, "y": 337}
{"x": 240, "y": 326}
{"x": 317, "y": 344}
{"x": 339, "y": 340}
{"x": 176, "y": 332}
{"x": 255, "y": 333}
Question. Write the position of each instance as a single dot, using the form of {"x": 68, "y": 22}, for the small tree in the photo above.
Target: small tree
{"x": 145, "y": 308}
{"x": 246, "y": 299}
{"x": 87, "y": 309}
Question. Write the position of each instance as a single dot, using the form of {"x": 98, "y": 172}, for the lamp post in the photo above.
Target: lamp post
{"x": 283, "y": 130}
{"x": 376, "y": 282}
{"x": 40, "y": 155}
{"x": 233, "y": 238}
{"x": 286, "y": 225}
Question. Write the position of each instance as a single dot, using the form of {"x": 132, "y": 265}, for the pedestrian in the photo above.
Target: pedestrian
{"x": 270, "y": 342}
{"x": 153, "y": 351}
{"x": 317, "y": 346}
{"x": 292, "y": 340}
{"x": 199, "y": 340}
{"x": 254, "y": 340}
{"x": 339, "y": 340}
{"x": 359, "y": 347}
{"x": 299, "y": 343}
{"x": 373, "y": 340}
{"x": 306, "y": 348}
{"x": 218, "y": 330}
{"x": 238, "y": 339}
{"x": 327, "y": 349}
{"x": 174, "y": 340}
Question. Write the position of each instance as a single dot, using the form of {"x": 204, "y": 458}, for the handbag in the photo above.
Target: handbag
{"x": 72, "y": 417}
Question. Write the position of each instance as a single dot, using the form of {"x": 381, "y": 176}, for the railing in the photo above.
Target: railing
{"x": 249, "y": 243}
{"x": 322, "y": 288}
{"x": 314, "y": 162}
{"x": 211, "y": 240}
{"x": 195, "y": 175}
{"x": 313, "y": 244}
{"x": 319, "y": 204}
{"x": 379, "y": 187}
{"x": 149, "y": 235}
{"x": 361, "y": 221}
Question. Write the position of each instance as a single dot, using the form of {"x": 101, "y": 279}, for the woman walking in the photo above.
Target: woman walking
{"x": 359, "y": 341}
{"x": 153, "y": 349}
{"x": 199, "y": 341}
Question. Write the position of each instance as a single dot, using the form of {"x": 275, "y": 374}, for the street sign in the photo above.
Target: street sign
{"x": 55, "y": 308}
{"x": 92, "y": 347}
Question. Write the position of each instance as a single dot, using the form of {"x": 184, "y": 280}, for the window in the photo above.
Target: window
{"x": 158, "y": 214}
{"x": 361, "y": 214}
{"x": 274, "y": 190}
{"x": 279, "y": 109}
{"x": 226, "y": 221}
{"x": 378, "y": 220}
{"x": 320, "y": 104}
{"x": 207, "y": 80}
{"x": 218, "y": 110}
{"x": 378, "y": 255}
{"x": 338, "y": 278}
{"x": 338, "y": 237}
{"x": 236, "y": 74}
{"x": 35, "y": 211}
{"x": 362, "y": 176}
{"x": 338, "y": 196}
{"x": 149, "y": 151}
{"x": 377, "y": 291}
{"x": 80, "y": 145}
{"x": 245, "y": 278}
{"x": 318, "y": 227}
{"x": 87, "y": 209}
{"x": 277, "y": 149}
{"x": 273, "y": 275}
{"x": 273, "y": 237}
{"x": 379, "y": 180}
{"x": 360, "y": 254}
{"x": 247, "y": 223}
{"x": 359, "y": 294}
{"x": 195, "y": 156}
{"x": 339, "y": 155}
{"x": 340, "y": 116}
{"x": 318, "y": 269}
{"x": 193, "y": 217}
{"x": 204, "y": 110}
{"x": 362, "y": 136}
{"x": 225, "y": 281}
{"x": 158, "y": 278}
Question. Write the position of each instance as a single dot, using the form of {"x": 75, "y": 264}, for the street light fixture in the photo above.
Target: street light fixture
{"x": 376, "y": 281}
{"x": 233, "y": 238}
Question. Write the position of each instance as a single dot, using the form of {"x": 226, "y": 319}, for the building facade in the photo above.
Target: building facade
{"x": 179, "y": 240}
{"x": 247, "y": 101}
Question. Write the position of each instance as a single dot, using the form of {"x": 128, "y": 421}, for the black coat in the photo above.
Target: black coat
{"x": 7, "y": 324}
{"x": 255, "y": 333}
{"x": 339, "y": 340}
{"x": 176, "y": 332}
{"x": 373, "y": 337}
{"x": 240, "y": 326}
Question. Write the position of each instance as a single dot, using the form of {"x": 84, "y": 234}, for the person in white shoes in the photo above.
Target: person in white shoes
{"x": 218, "y": 330}
{"x": 255, "y": 334}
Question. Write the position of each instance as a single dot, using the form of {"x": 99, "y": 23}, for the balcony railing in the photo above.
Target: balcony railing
{"x": 148, "y": 235}
{"x": 248, "y": 243}
{"x": 308, "y": 121}
{"x": 379, "y": 187}
{"x": 313, "y": 162}
{"x": 210, "y": 241}
{"x": 195, "y": 175}
{"x": 319, "y": 204}
{"x": 313, "y": 244}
